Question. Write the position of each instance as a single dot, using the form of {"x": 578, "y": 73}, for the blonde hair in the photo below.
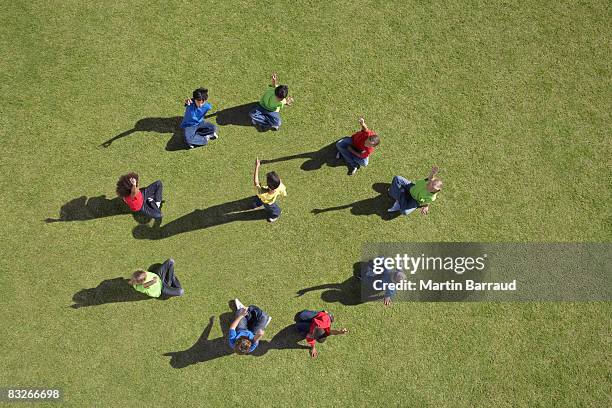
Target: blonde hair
{"x": 436, "y": 183}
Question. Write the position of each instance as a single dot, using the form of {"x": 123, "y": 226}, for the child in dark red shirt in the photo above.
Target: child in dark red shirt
{"x": 147, "y": 200}
{"x": 356, "y": 149}
{"x": 316, "y": 326}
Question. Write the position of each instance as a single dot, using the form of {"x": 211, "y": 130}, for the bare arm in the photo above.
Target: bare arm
{"x": 238, "y": 318}
{"x": 363, "y": 124}
{"x": 134, "y": 190}
{"x": 337, "y": 332}
{"x": 256, "y": 173}
{"x": 258, "y": 336}
{"x": 434, "y": 170}
{"x": 274, "y": 80}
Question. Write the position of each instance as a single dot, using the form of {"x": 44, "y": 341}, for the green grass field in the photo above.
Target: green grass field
{"x": 511, "y": 99}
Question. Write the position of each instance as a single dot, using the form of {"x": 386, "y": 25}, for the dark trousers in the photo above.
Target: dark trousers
{"x": 170, "y": 283}
{"x": 303, "y": 320}
{"x": 273, "y": 210}
{"x": 153, "y": 191}
{"x": 255, "y": 320}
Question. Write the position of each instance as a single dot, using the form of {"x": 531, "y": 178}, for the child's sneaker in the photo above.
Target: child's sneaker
{"x": 274, "y": 128}
{"x": 238, "y": 304}
{"x": 352, "y": 171}
{"x": 273, "y": 219}
{"x": 268, "y": 322}
{"x": 214, "y": 136}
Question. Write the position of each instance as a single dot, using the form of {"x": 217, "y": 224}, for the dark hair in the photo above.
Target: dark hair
{"x": 272, "y": 180}
{"x": 319, "y": 335}
{"x": 375, "y": 139}
{"x": 200, "y": 94}
{"x": 242, "y": 345}
{"x": 281, "y": 91}
{"x": 124, "y": 187}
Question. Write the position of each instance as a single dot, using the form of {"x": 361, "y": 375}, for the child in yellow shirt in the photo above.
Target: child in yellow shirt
{"x": 267, "y": 195}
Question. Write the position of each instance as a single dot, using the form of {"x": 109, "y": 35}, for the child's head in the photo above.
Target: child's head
{"x": 272, "y": 180}
{"x": 200, "y": 96}
{"x": 124, "y": 186}
{"x": 281, "y": 92}
{"x": 242, "y": 345}
{"x": 372, "y": 141}
{"x": 139, "y": 276}
{"x": 435, "y": 185}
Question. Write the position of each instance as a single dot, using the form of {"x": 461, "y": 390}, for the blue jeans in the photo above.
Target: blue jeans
{"x": 273, "y": 210}
{"x": 400, "y": 191}
{"x": 198, "y": 135}
{"x": 170, "y": 283}
{"x": 264, "y": 118}
{"x": 351, "y": 160}
{"x": 255, "y": 320}
{"x": 153, "y": 191}
{"x": 303, "y": 320}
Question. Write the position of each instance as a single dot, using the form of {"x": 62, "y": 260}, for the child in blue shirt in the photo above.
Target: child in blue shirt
{"x": 247, "y": 328}
{"x": 197, "y": 130}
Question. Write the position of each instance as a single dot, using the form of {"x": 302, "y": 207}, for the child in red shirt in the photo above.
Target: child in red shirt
{"x": 316, "y": 326}
{"x": 147, "y": 200}
{"x": 356, "y": 150}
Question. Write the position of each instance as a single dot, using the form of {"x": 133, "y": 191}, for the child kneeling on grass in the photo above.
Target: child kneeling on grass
{"x": 316, "y": 326}
{"x": 164, "y": 282}
{"x": 198, "y": 131}
{"x": 247, "y": 328}
{"x": 356, "y": 149}
{"x": 266, "y": 115}
{"x": 267, "y": 195}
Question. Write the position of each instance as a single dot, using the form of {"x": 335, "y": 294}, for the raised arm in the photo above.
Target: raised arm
{"x": 134, "y": 184}
{"x": 434, "y": 170}
{"x": 274, "y": 80}
{"x": 256, "y": 173}
{"x": 363, "y": 125}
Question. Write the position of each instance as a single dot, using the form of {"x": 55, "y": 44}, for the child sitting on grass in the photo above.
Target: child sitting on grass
{"x": 356, "y": 149}
{"x": 267, "y": 195}
{"x": 266, "y": 115}
{"x": 198, "y": 131}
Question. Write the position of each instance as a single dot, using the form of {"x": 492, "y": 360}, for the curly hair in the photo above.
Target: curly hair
{"x": 242, "y": 346}
{"x": 124, "y": 187}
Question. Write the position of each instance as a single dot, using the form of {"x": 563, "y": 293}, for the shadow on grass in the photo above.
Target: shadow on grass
{"x": 200, "y": 219}
{"x": 86, "y": 209}
{"x": 108, "y": 291}
{"x": 157, "y": 125}
{"x": 377, "y": 205}
{"x": 205, "y": 350}
{"x": 347, "y": 293}
{"x": 237, "y": 116}
{"x": 315, "y": 159}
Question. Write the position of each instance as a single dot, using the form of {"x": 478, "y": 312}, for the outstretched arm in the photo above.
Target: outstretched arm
{"x": 337, "y": 332}
{"x": 256, "y": 173}
{"x": 434, "y": 170}
{"x": 363, "y": 124}
{"x": 274, "y": 80}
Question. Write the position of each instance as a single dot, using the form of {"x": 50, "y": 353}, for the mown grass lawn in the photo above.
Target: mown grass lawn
{"x": 510, "y": 99}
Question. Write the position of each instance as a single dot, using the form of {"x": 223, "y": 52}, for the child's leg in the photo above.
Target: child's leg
{"x": 259, "y": 319}
{"x": 257, "y": 116}
{"x": 273, "y": 210}
{"x": 342, "y": 146}
{"x": 243, "y": 323}
{"x": 206, "y": 129}
{"x": 361, "y": 162}
{"x": 257, "y": 202}
{"x": 274, "y": 120}
{"x": 193, "y": 138}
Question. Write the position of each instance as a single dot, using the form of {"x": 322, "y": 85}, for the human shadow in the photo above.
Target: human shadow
{"x": 108, "y": 291}
{"x": 200, "y": 219}
{"x": 377, "y": 205}
{"x": 236, "y": 115}
{"x": 84, "y": 209}
{"x": 315, "y": 159}
{"x": 347, "y": 293}
{"x": 157, "y": 125}
{"x": 206, "y": 349}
